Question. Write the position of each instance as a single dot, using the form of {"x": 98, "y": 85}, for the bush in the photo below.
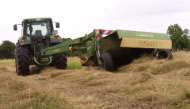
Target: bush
{"x": 7, "y": 49}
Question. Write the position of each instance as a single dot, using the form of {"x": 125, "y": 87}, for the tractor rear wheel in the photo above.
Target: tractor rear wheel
{"x": 60, "y": 61}
{"x": 165, "y": 54}
{"x": 22, "y": 60}
{"x": 107, "y": 61}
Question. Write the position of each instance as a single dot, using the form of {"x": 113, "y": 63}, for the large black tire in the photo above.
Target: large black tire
{"x": 107, "y": 61}
{"x": 22, "y": 60}
{"x": 165, "y": 54}
{"x": 60, "y": 61}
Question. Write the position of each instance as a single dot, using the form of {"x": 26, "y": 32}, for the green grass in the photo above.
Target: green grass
{"x": 69, "y": 66}
{"x": 8, "y": 62}
{"x": 74, "y": 66}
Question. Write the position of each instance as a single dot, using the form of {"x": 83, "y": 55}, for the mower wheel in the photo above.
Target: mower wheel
{"x": 165, "y": 54}
{"x": 107, "y": 61}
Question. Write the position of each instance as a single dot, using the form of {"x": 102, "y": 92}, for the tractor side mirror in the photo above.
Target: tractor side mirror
{"x": 57, "y": 25}
{"x": 15, "y": 27}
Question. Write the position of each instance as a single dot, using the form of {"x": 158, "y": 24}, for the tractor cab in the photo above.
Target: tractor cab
{"x": 38, "y": 29}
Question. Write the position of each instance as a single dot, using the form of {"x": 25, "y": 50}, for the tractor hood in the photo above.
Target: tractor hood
{"x": 137, "y": 39}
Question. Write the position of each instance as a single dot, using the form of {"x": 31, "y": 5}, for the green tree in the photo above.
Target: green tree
{"x": 179, "y": 37}
{"x": 7, "y": 49}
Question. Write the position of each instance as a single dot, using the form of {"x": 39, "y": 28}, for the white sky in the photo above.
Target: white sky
{"x": 78, "y": 17}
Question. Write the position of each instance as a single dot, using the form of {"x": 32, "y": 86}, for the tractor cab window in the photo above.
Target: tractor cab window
{"x": 38, "y": 28}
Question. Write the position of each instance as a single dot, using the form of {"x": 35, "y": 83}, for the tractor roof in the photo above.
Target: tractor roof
{"x": 36, "y": 19}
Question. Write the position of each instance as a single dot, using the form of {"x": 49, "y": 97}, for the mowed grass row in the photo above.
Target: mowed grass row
{"x": 145, "y": 83}
{"x": 16, "y": 93}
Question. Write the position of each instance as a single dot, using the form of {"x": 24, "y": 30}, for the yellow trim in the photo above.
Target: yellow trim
{"x": 146, "y": 43}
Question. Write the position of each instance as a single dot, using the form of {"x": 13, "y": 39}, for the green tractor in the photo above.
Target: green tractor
{"x": 37, "y": 34}
{"x": 109, "y": 49}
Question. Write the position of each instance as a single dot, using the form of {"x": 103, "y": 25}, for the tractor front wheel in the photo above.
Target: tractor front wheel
{"x": 60, "y": 61}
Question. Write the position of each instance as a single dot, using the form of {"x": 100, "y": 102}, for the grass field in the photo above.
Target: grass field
{"x": 145, "y": 83}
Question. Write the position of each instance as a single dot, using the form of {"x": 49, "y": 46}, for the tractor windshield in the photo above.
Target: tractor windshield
{"x": 38, "y": 28}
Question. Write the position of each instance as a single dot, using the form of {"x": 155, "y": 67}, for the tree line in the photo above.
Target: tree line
{"x": 180, "y": 41}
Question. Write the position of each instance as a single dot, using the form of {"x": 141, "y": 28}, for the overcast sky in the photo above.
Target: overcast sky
{"x": 78, "y": 17}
